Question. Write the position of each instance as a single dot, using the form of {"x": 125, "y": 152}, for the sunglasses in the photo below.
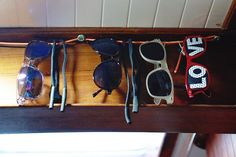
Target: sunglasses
{"x": 159, "y": 82}
{"x": 197, "y": 78}
{"x": 30, "y": 79}
{"x": 107, "y": 75}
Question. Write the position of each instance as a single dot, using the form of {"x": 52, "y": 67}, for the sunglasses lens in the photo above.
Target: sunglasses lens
{"x": 37, "y": 49}
{"x": 153, "y": 51}
{"x": 29, "y": 83}
{"x": 159, "y": 83}
{"x": 107, "y": 46}
{"x": 107, "y": 75}
{"x": 197, "y": 77}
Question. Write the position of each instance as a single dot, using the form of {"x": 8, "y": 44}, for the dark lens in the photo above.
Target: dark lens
{"x": 29, "y": 83}
{"x": 159, "y": 83}
{"x": 107, "y": 75}
{"x": 107, "y": 46}
{"x": 197, "y": 77}
{"x": 153, "y": 51}
{"x": 37, "y": 49}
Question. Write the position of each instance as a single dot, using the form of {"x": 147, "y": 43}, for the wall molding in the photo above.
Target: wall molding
{"x": 27, "y": 34}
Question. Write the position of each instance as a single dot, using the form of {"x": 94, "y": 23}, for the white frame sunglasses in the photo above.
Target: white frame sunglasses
{"x": 158, "y": 66}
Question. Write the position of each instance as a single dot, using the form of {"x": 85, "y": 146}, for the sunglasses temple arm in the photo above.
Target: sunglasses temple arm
{"x": 126, "y": 110}
{"x": 135, "y": 98}
{"x": 64, "y": 94}
{"x": 52, "y": 77}
{"x": 178, "y": 63}
{"x": 97, "y": 92}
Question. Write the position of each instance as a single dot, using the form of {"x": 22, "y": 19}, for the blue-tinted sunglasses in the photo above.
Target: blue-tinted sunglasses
{"x": 30, "y": 79}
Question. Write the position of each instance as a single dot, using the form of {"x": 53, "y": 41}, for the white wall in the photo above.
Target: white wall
{"x": 114, "y": 13}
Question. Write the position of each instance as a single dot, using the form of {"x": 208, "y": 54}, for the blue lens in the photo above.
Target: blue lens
{"x": 107, "y": 75}
{"x": 106, "y": 46}
{"x": 37, "y": 49}
{"x": 29, "y": 83}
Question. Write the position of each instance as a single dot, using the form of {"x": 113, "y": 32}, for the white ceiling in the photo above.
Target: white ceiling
{"x": 114, "y": 13}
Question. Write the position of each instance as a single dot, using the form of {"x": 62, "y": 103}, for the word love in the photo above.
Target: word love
{"x": 195, "y": 46}
{"x": 197, "y": 76}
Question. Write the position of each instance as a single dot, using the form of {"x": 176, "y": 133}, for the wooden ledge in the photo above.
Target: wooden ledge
{"x": 159, "y": 119}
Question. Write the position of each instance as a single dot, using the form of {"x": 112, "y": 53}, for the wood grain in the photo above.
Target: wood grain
{"x": 108, "y": 118}
{"x": 82, "y": 60}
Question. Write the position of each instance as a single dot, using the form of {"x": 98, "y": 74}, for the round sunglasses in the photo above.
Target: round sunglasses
{"x": 107, "y": 75}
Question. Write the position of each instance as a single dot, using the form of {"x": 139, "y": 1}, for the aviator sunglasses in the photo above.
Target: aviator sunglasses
{"x": 159, "y": 82}
{"x": 30, "y": 79}
{"x": 107, "y": 75}
{"x": 197, "y": 78}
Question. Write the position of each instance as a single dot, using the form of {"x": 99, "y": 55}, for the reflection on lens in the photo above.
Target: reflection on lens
{"x": 107, "y": 75}
{"x": 29, "y": 83}
{"x": 159, "y": 83}
{"x": 106, "y": 46}
{"x": 153, "y": 51}
{"x": 37, "y": 49}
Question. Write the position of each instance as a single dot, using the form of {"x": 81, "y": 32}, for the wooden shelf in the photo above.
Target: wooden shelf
{"x": 97, "y": 118}
{"x": 105, "y": 113}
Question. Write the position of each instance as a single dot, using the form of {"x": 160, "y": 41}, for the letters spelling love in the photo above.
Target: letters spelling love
{"x": 197, "y": 74}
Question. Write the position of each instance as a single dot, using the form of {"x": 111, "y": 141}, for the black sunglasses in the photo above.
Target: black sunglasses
{"x": 107, "y": 75}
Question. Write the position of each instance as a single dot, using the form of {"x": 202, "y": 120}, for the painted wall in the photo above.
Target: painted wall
{"x": 114, "y": 13}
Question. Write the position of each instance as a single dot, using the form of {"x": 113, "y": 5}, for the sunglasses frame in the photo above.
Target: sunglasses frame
{"x": 110, "y": 60}
{"x": 31, "y": 63}
{"x": 192, "y": 92}
{"x": 158, "y": 65}
{"x": 105, "y": 58}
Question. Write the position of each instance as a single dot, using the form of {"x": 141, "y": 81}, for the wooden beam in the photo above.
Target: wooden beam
{"x": 159, "y": 119}
{"x": 229, "y": 19}
{"x": 27, "y": 34}
{"x": 168, "y": 145}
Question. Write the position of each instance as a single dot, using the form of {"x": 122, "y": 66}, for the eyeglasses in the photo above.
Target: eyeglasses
{"x": 30, "y": 79}
{"x": 159, "y": 82}
{"x": 197, "y": 78}
{"x": 107, "y": 75}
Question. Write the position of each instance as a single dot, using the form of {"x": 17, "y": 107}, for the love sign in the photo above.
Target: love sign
{"x": 197, "y": 76}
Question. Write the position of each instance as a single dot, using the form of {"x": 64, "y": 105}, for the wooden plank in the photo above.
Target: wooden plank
{"x": 26, "y": 34}
{"x": 80, "y": 73}
{"x": 218, "y": 13}
{"x": 60, "y": 13}
{"x": 159, "y": 119}
{"x": 195, "y": 13}
{"x": 168, "y": 145}
{"x": 88, "y": 13}
{"x": 115, "y": 13}
{"x": 8, "y": 7}
{"x": 142, "y": 13}
{"x": 229, "y": 20}
{"x": 169, "y": 15}
{"x": 31, "y": 13}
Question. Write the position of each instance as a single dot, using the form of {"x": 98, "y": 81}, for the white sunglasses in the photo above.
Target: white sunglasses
{"x": 159, "y": 82}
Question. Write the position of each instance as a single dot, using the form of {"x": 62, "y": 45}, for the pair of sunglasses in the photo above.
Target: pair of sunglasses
{"x": 30, "y": 79}
{"x": 159, "y": 82}
{"x": 197, "y": 78}
{"x": 107, "y": 75}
